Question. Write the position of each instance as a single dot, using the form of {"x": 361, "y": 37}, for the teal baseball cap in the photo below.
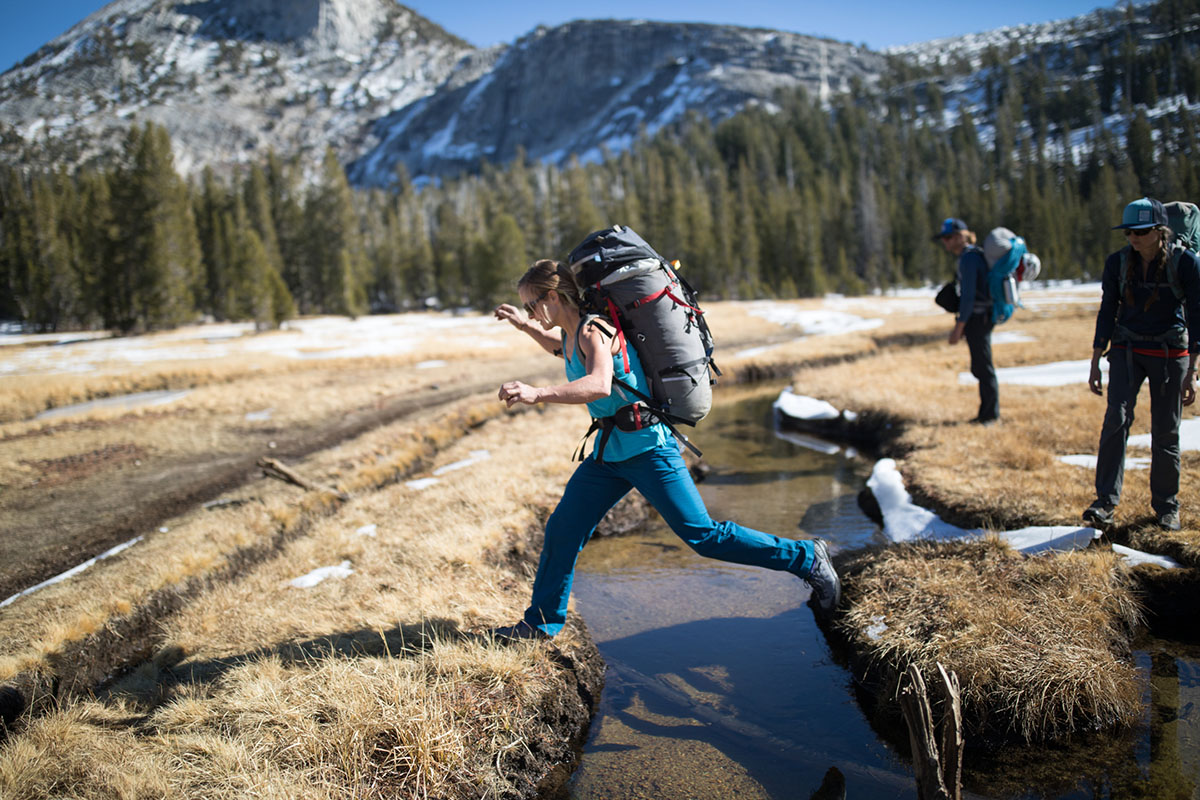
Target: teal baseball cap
{"x": 1144, "y": 213}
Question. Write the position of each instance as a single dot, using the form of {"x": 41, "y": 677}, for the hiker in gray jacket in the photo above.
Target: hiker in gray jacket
{"x": 974, "y": 319}
{"x": 1150, "y": 314}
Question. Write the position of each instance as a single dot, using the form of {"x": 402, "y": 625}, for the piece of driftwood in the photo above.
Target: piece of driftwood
{"x": 272, "y": 468}
{"x": 938, "y": 765}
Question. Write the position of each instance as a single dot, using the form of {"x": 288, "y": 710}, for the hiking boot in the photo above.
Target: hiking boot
{"x": 824, "y": 580}
{"x": 1099, "y": 516}
{"x": 1169, "y": 521}
{"x": 520, "y": 632}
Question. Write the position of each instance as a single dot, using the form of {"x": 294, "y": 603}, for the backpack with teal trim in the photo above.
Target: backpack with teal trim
{"x": 1009, "y": 263}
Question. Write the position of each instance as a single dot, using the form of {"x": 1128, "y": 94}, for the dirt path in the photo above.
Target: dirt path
{"x": 89, "y": 501}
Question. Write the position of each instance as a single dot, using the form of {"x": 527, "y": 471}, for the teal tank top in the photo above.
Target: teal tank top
{"x": 621, "y": 445}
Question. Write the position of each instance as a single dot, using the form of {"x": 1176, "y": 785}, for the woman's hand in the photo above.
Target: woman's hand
{"x": 1189, "y": 387}
{"x": 512, "y": 315}
{"x": 1095, "y": 381}
{"x": 516, "y": 392}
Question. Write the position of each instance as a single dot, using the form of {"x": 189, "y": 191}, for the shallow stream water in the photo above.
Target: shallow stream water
{"x": 721, "y": 685}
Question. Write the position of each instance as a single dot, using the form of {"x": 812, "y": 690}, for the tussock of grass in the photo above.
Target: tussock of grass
{"x": 380, "y": 726}
{"x": 1040, "y": 645}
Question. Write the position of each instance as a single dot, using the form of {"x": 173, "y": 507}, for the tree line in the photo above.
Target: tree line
{"x": 797, "y": 201}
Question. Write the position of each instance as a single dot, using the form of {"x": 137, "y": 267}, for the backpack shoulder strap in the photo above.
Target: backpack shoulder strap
{"x": 603, "y": 324}
{"x": 1174, "y": 256}
{"x": 1124, "y": 272}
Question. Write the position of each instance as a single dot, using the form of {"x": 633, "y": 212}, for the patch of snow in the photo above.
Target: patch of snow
{"x": 1189, "y": 436}
{"x": 814, "y": 322}
{"x": 421, "y": 483}
{"x": 73, "y": 571}
{"x": 476, "y": 456}
{"x": 431, "y": 364}
{"x": 1058, "y": 373}
{"x": 319, "y": 574}
{"x": 1090, "y": 462}
{"x": 798, "y": 406}
{"x": 1011, "y": 337}
{"x": 904, "y": 521}
{"x": 367, "y": 530}
{"x": 260, "y": 416}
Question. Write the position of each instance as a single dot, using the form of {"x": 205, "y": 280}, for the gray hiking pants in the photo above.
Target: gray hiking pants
{"x": 1126, "y": 372}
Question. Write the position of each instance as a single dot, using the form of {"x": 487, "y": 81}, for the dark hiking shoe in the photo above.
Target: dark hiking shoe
{"x": 520, "y": 632}
{"x": 985, "y": 421}
{"x": 1098, "y": 516}
{"x": 824, "y": 580}
{"x": 1169, "y": 521}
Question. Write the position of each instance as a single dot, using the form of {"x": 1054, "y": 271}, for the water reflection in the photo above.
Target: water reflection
{"x": 721, "y": 685}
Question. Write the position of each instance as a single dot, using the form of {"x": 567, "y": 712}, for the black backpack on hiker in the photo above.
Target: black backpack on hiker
{"x": 623, "y": 279}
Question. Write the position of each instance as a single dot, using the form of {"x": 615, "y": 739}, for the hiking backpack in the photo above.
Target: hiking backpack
{"x": 1183, "y": 218}
{"x": 622, "y": 278}
{"x": 1009, "y": 263}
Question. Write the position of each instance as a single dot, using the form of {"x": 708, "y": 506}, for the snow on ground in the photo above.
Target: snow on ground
{"x": 798, "y": 406}
{"x": 813, "y": 321}
{"x": 309, "y": 338}
{"x": 1189, "y": 436}
{"x": 73, "y": 570}
{"x": 311, "y": 579}
{"x": 1090, "y": 462}
{"x": 1058, "y": 373}
{"x": 904, "y": 521}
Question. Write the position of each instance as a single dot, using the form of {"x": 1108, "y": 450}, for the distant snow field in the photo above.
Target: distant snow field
{"x": 311, "y": 338}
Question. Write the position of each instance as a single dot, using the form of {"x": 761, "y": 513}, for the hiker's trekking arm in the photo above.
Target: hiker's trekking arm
{"x": 595, "y": 385}
{"x": 549, "y": 342}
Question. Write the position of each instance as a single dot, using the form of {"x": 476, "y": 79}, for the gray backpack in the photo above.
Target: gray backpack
{"x": 622, "y": 278}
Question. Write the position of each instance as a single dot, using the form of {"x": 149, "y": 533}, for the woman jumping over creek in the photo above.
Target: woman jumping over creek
{"x": 647, "y": 459}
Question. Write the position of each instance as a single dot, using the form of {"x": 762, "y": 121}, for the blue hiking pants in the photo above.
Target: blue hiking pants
{"x": 1126, "y": 373}
{"x": 663, "y": 479}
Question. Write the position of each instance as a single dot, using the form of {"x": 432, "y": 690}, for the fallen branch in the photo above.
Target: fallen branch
{"x": 274, "y": 469}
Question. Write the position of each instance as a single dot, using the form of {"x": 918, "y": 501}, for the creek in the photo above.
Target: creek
{"x": 721, "y": 685}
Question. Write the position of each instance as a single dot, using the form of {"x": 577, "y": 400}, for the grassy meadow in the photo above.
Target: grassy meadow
{"x": 381, "y": 680}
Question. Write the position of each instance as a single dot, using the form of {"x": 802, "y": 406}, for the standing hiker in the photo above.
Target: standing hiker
{"x": 646, "y": 459}
{"x": 974, "y": 318}
{"x": 1150, "y": 313}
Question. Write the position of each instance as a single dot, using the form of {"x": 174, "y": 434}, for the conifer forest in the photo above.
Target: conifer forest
{"x": 798, "y": 200}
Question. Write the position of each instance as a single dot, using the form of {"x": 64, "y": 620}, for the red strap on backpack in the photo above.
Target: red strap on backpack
{"x": 616, "y": 320}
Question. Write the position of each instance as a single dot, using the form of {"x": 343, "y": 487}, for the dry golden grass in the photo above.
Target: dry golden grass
{"x": 960, "y": 470}
{"x": 1034, "y": 641}
{"x": 369, "y": 685}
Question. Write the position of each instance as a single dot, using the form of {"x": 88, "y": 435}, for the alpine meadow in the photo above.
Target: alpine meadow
{"x": 294, "y": 494}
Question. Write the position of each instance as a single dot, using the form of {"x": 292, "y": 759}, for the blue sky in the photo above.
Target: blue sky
{"x": 876, "y": 23}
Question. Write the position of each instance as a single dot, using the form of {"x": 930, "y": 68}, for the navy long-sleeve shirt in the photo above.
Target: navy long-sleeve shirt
{"x": 1165, "y": 313}
{"x": 975, "y": 297}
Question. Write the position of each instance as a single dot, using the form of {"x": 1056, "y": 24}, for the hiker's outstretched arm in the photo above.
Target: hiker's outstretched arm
{"x": 595, "y": 385}
{"x": 549, "y": 342}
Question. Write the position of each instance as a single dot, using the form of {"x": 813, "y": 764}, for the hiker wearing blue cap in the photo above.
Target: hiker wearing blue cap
{"x": 974, "y": 319}
{"x": 1150, "y": 315}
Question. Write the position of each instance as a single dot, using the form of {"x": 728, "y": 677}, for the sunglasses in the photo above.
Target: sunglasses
{"x": 529, "y": 307}
{"x": 1138, "y": 231}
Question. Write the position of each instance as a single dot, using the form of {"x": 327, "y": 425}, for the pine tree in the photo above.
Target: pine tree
{"x": 335, "y": 261}
{"x": 497, "y": 262}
